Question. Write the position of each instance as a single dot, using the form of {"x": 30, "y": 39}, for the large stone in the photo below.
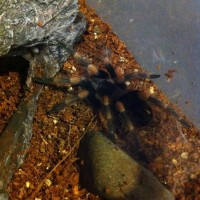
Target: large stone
{"x": 44, "y": 32}
{"x": 112, "y": 174}
{"x": 14, "y": 140}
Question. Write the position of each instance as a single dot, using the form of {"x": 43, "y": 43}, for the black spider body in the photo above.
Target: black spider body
{"x": 107, "y": 89}
{"x": 137, "y": 108}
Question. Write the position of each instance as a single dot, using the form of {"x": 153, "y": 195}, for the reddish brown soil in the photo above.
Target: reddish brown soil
{"x": 50, "y": 170}
{"x": 10, "y": 96}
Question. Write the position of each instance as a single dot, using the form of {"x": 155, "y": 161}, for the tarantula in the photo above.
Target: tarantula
{"x": 108, "y": 89}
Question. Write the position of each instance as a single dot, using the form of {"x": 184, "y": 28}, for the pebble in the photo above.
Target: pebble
{"x": 27, "y": 184}
{"x": 184, "y": 155}
{"x": 174, "y": 161}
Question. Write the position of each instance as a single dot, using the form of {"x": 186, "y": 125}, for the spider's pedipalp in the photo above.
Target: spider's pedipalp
{"x": 117, "y": 75}
{"x": 82, "y": 60}
{"x": 169, "y": 109}
{"x": 92, "y": 70}
{"x": 58, "y": 107}
{"x": 111, "y": 71}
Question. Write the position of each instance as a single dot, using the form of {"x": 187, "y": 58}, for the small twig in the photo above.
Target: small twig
{"x": 61, "y": 161}
{"x": 181, "y": 133}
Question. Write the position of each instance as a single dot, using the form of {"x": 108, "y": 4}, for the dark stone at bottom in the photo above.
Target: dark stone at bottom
{"x": 112, "y": 174}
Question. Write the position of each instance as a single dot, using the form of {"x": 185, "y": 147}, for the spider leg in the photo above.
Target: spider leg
{"x": 130, "y": 76}
{"x": 53, "y": 80}
{"x": 120, "y": 107}
{"x": 119, "y": 77}
{"x": 137, "y": 149}
{"x": 169, "y": 109}
{"x": 92, "y": 70}
{"x": 81, "y": 95}
{"x": 108, "y": 113}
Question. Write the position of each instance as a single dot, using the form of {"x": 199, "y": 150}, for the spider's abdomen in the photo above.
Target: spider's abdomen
{"x": 137, "y": 108}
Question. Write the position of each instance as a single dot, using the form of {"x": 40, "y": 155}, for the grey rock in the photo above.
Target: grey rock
{"x": 15, "y": 139}
{"x": 112, "y": 174}
{"x": 44, "y": 32}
